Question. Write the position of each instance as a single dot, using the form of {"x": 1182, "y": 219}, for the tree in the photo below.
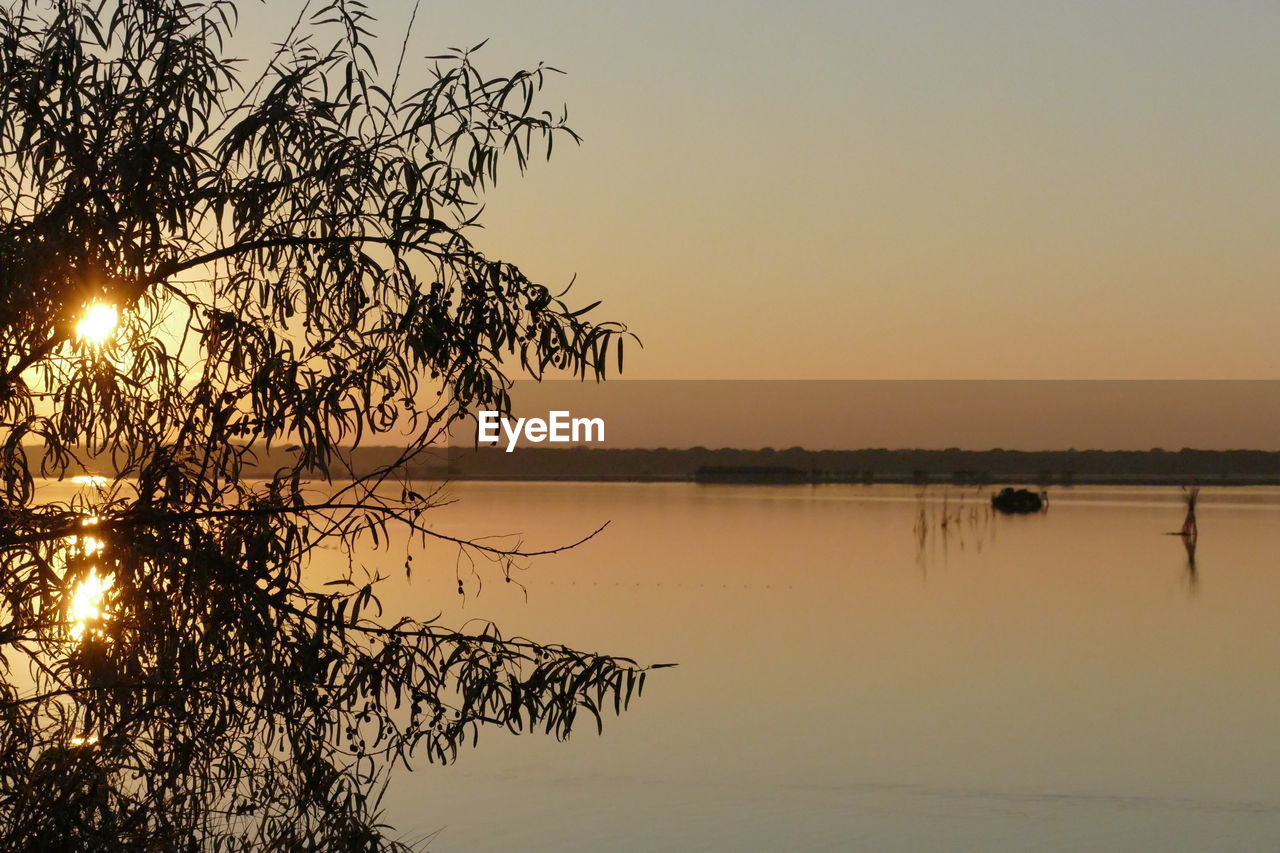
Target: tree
{"x": 199, "y": 264}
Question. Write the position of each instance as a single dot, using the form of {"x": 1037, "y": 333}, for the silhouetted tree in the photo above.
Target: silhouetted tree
{"x": 290, "y": 261}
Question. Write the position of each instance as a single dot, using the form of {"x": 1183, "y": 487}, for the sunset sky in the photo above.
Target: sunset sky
{"x": 899, "y": 189}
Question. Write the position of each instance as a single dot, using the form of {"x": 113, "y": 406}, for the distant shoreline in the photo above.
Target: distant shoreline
{"x": 1116, "y": 481}
{"x": 797, "y": 466}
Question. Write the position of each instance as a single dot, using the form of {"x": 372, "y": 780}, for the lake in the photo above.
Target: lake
{"x": 1056, "y": 682}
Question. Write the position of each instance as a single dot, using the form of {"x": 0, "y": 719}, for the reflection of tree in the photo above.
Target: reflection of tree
{"x": 1190, "y": 532}
{"x": 289, "y": 261}
{"x": 1193, "y": 576}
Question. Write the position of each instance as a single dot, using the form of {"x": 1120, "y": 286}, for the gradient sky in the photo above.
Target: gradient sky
{"x": 900, "y": 189}
{"x": 974, "y": 415}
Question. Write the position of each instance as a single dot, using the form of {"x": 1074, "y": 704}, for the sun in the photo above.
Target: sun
{"x": 98, "y": 324}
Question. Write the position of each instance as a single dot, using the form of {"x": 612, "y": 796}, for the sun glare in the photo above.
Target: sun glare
{"x": 98, "y": 324}
{"x": 90, "y": 545}
{"x": 88, "y": 602}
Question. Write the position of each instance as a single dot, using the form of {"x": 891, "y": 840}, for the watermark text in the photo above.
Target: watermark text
{"x": 559, "y": 427}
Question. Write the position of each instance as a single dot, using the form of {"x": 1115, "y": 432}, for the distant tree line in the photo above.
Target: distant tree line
{"x": 875, "y": 465}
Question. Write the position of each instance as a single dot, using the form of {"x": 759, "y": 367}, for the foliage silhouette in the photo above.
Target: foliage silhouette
{"x": 291, "y": 259}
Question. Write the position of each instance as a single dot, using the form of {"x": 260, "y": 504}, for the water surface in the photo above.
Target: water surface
{"x": 1054, "y": 682}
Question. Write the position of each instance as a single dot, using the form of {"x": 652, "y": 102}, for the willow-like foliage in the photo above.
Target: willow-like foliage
{"x": 290, "y": 255}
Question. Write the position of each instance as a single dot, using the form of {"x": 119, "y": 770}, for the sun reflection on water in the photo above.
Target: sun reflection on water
{"x": 88, "y": 604}
{"x": 89, "y": 545}
{"x": 87, "y": 607}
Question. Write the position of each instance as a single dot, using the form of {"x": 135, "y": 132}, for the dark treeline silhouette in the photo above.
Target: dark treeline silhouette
{"x": 877, "y": 465}
{"x": 797, "y": 465}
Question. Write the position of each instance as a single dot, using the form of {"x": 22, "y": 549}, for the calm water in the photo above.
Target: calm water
{"x": 1059, "y": 682}
{"x": 1051, "y": 683}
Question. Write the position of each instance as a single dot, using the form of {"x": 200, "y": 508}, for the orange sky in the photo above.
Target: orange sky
{"x": 974, "y": 415}
{"x": 900, "y": 189}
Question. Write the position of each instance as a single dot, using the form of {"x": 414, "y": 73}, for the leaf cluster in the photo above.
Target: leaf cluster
{"x": 293, "y": 258}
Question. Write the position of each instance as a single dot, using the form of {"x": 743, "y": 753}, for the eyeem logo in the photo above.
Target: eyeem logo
{"x": 559, "y": 427}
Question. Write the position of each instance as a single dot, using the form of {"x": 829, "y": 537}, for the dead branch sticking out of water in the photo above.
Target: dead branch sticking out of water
{"x": 1189, "y": 531}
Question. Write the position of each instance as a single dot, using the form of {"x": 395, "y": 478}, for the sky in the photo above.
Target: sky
{"x": 905, "y": 189}
{"x": 937, "y": 414}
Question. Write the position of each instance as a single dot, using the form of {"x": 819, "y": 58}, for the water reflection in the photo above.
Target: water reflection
{"x": 88, "y": 610}
{"x": 1056, "y": 692}
{"x": 1190, "y": 534}
{"x": 1064, "y": 670}
{"x": 88, "y": 584}
{"x": 1193, "y": 577}
{"x": 943, "y": 520}
{"x": 947, "y": 521}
